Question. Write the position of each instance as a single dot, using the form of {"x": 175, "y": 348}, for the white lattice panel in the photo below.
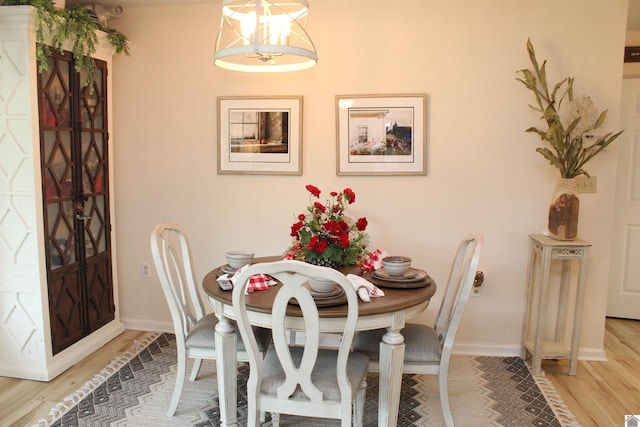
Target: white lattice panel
{"x": 17, "y": 216}
{"x": 18, "y": 324}
{"x": 21, "y": 320}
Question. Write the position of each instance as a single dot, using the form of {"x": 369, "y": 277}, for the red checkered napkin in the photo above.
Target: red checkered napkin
{"x": 373, "y": 261}
{"x": 260, "y": 282}
{"x": 257, "y": 282}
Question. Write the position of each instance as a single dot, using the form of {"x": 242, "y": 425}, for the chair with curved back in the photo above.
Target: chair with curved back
{"x": 194, "y": 329}
{"x": 305, "y": 381}
{"x": 428, "y": 348}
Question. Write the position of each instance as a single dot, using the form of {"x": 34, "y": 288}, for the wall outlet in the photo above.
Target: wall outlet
{"x": 587, "y": 184}
{"x": 145, "y": 270}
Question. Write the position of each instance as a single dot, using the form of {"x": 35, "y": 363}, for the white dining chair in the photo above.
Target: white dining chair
{"x": 304, "y": 380}
{"x": 194, "y": 329}
{"x": 428, "y": 348}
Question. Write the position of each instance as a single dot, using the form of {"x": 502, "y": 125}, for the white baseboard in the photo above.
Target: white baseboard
{"x": 146, "y": 325}
{"x": 584, "y": 353}
{"x": 593, "y": 354}
{"x": 486, "y": 350}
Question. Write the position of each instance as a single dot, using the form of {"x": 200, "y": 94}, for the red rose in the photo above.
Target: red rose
{"x": 302, "y": 217}
{"x": 350, "y": 195}
{"x": 317, "y": 245}
{"x": 313, "y": 190}
{"x": 333, "y": 228}
{"x": 361, "y": 224}
{"x": 334, "y": 193}
{"x": 319, "y": 206}
{"x": 295, "y": 228}
{"x": 343, "y": 240}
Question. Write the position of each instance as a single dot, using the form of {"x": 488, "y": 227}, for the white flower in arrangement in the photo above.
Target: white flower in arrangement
{"x": 584, "y": 109}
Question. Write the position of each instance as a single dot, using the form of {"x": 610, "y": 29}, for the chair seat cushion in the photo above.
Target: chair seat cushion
{"x": 202, "y": 335}
{"x": 323, "y": 375}
{"x": 421, "y": 343}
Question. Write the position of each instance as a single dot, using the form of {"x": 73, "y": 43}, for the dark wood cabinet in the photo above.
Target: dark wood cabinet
{"x": 57, "y": 247}
{"x": 74, "y": 143}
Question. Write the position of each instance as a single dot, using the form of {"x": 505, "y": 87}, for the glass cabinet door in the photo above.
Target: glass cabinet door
{"x": 74, "y": 153}
{"x": 58, "y": 161}
{"x": 94, "y": 216}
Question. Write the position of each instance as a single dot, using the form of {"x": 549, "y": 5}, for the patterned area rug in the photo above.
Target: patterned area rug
{"x": 135, "y": 390}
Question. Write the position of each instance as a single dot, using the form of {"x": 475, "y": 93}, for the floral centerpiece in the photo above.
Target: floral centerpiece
{"x": 325, "y": 235}
{"x": 572, "y": 138}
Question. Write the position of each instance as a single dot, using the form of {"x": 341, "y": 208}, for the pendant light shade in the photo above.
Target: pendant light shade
{"x": 264, "y": 36}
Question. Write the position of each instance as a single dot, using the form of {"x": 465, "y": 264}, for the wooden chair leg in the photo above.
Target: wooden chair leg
{"x": 444, "y": 399}
{"x": 196, "y": 368}
{"x": 177, "y": 390}
{"x": 275, "y": 419}
{"x": 358, "y": 406}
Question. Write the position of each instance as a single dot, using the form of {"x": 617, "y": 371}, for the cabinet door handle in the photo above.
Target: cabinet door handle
{"x": 82, "y": 217}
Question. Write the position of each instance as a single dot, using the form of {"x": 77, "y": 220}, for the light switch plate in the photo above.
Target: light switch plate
{"x": 587, "y": 184}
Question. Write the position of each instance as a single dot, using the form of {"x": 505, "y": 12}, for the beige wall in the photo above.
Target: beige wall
{"x": 483, "y": 172}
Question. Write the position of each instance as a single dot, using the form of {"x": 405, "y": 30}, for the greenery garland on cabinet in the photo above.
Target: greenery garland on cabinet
{"x": 55, "y": 26}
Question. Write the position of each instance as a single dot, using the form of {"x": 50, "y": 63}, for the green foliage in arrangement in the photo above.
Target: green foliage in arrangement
{"x": 571, "y": 131}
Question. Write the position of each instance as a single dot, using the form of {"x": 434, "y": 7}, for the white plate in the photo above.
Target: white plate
{"x": 228, "y": 269}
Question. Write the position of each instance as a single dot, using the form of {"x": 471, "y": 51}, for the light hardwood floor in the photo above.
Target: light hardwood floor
{"x": 24, "y": 402}
{"x": 600, "y": 395}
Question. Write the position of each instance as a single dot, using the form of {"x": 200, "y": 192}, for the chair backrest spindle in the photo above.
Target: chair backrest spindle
{"x": 172, "y": 253}
{"x": 458, "y": 289}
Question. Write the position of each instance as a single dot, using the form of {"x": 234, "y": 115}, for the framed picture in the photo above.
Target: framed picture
{"x": 632, "y": 54}
{"x": 260, "y": 135}
{"x": 381, "y": 134}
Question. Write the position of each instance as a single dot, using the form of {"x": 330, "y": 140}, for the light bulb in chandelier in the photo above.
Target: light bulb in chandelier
{"x": 264, "y": 36}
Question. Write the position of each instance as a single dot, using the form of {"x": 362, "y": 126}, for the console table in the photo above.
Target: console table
{"x": 543, "y": 251}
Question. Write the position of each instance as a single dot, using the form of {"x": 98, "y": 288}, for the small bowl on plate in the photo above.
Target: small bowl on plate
{"x": 396, "y": 265}
{"x": 237, "y": 259}
{"x": 322, "y": 285}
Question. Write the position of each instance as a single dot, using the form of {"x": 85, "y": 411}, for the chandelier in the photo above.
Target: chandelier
{"x": 264, "y": 36}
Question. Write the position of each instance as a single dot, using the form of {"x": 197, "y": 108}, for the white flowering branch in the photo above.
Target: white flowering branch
{"x": 573, "y": 141}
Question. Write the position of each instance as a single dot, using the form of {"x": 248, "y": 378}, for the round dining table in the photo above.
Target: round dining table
{"x": 391, "y": 311}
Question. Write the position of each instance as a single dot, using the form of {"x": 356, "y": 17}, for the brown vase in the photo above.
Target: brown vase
{"x": 563, "y": 212}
